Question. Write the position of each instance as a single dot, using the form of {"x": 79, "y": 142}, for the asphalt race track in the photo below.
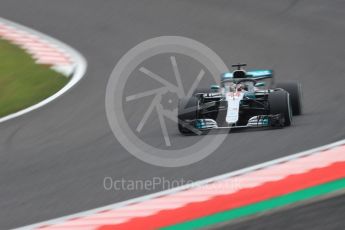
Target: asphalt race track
{"x": 53, "y": 160}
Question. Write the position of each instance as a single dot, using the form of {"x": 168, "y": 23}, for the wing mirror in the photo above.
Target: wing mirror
{"x": 215, "y": 88}
{"x": 260, "y": 84}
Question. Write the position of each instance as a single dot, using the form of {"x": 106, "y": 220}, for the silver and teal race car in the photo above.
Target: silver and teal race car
{"x": 242, "y": 100}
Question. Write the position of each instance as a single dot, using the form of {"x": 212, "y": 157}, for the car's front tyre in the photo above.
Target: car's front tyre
{"x": 295, "y": 91}
{"x": 279, "y": 103}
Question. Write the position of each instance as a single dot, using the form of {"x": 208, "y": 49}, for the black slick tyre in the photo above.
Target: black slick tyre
{"x": 279, "y": 102}
{"x": 295, "y": 91}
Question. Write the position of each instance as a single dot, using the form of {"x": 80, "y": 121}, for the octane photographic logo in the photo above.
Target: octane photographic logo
{"x": 142, "y": 95}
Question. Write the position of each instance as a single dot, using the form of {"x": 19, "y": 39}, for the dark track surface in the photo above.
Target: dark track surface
{"x": 323, "y": 215}
{"x": 53, "y": 161}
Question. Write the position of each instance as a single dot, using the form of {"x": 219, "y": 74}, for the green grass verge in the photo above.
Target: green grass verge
{"x": 23, "y": 82}
{"x": 266, "y": 205}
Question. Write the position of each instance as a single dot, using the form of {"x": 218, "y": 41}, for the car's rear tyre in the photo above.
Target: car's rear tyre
{"x": 187, "y": 110}
{"x": 295, "y": 91}
{"x": 279, "y": 102}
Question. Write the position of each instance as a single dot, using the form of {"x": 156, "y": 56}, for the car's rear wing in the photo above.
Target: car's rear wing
{"x": 253, "y": 74}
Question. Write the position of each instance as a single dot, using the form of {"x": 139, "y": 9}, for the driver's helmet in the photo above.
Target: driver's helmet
{"x": 232, "y": 86}
{"x": 242, "y": 87}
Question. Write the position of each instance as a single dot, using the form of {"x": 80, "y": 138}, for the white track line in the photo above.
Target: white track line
{"x": 185, "y": 187}
{"x": 78, "y": 68}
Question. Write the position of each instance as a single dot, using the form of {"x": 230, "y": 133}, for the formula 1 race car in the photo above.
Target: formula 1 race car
{"x": 242, "y": 100}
